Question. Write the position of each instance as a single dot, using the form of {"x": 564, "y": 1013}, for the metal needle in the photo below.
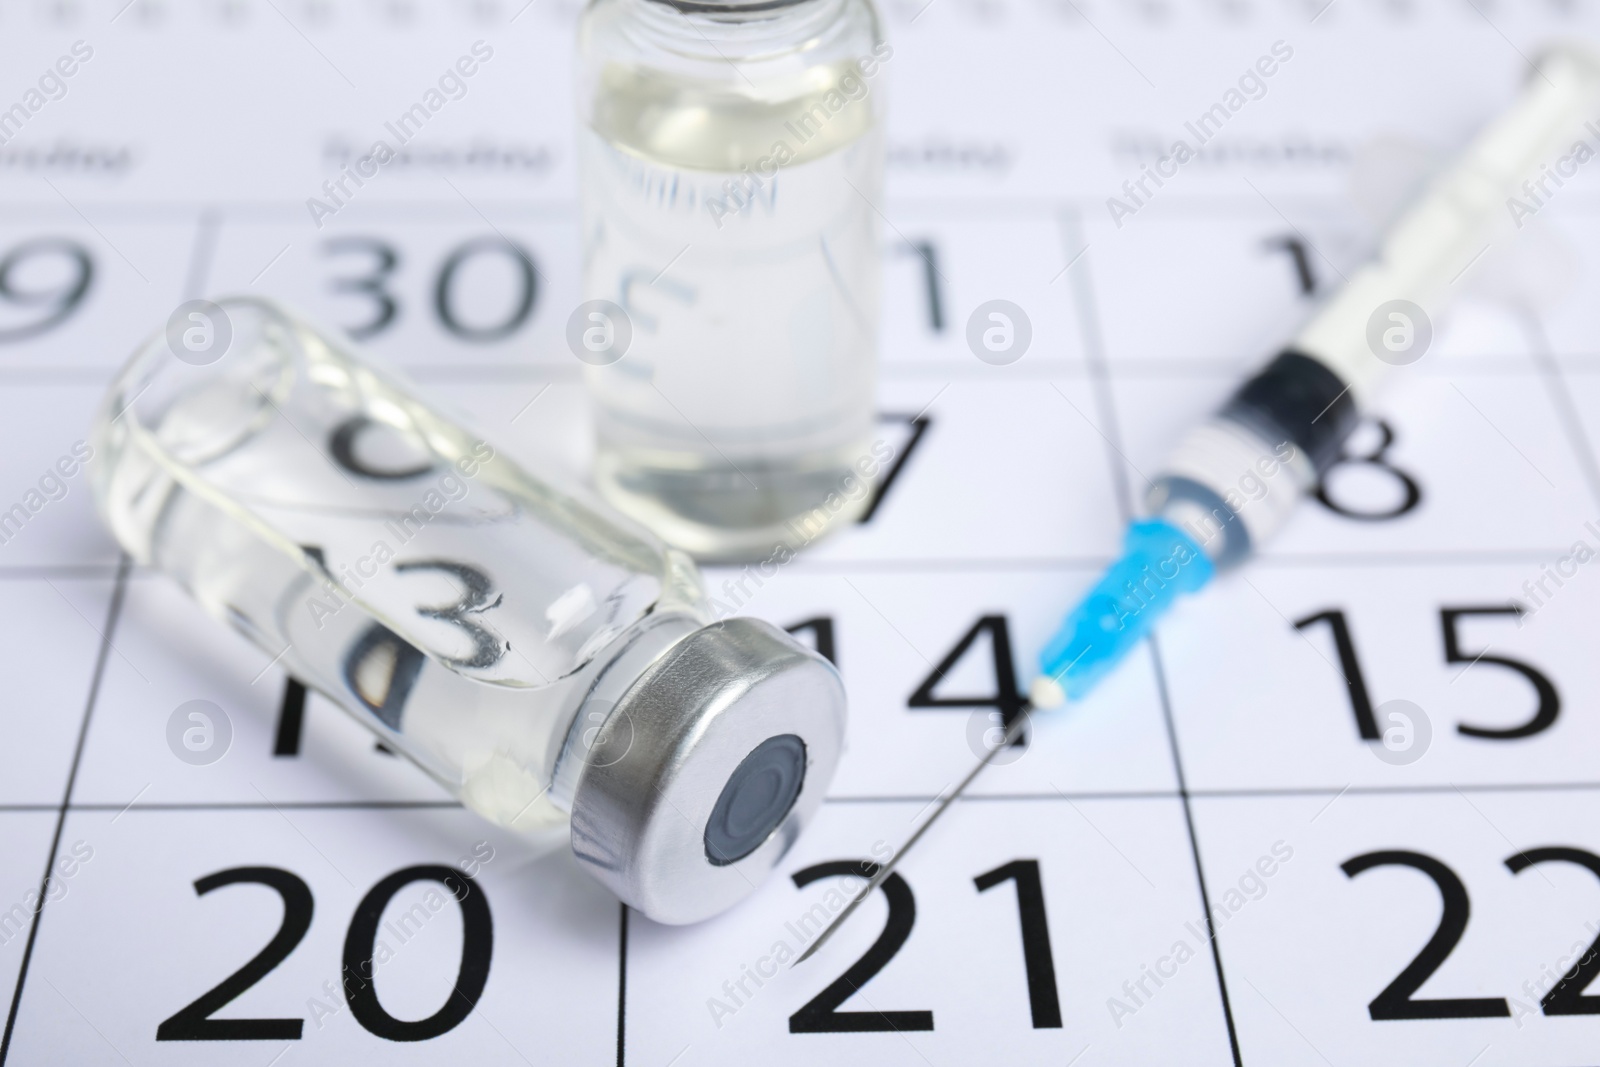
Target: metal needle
{"x": 1012, "y": 732}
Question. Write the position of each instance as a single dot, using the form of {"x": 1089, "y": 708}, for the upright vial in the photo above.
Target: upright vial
{"x": 549, "y": 663}
{"x": 731, "y": 159}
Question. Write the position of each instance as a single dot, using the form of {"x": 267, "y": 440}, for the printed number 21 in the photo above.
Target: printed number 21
{"x": 821, "y": 1015}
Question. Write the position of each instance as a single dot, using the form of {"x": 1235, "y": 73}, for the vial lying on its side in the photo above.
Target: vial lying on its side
{"x": 550, "y": 664}
{"x": 732, "y": 157}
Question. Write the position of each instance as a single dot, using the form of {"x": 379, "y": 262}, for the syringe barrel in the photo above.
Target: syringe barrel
{"x": 1473, "y": 208}
{"x": 544, "y": 659}
{"x": 1235, "y": 479}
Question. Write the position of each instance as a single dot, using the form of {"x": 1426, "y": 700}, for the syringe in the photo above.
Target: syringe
{"x": 1284, "y": 427}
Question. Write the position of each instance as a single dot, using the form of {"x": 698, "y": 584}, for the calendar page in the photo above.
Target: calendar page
{"x": 1343, "y": 810}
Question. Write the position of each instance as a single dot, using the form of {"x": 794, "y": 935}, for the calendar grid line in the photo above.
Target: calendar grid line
{"x": 46, "y": 377}
{"x": 622, "y": 984}
{"x": 1089, "y": 319}
{"x": 1166, "y": 368}
{"x": 1447, "y": 789}
{"x": 1313, "y": 205}
{"x": 286, "y": 805}
{"x": 1264, "y": 792}
{"x": 1076, "y": 252}
{"x": 1287, "y": 560}
{"x": 1162, "y": 690}
{"x": 1130, "y": 368}
{"x": 979, "y": 565}
{"x": 1054, "y": 796}
{"x": 34, "y": 571}
{"x": 1566, "y": 413}
{"x": 207, "y": 234}
{"x": 194, "y": 283}
{"x": 113, "y": 612}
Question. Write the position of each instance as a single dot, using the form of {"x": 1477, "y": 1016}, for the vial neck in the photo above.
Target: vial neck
{"x": 735, "y": 31}
{"x": 585, "y": 742}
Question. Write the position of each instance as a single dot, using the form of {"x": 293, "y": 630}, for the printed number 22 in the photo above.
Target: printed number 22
{"x": 1396, "y": 1000}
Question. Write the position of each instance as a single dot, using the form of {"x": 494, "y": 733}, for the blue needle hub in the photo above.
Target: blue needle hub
{"x": 1159, "y": 563}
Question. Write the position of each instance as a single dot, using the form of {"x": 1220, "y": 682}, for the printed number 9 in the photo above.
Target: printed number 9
{"x": 59, "y": 300}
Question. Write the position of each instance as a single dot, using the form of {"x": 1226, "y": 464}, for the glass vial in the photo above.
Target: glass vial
{"x": 731, "y": 162}
{"x": 553, "y": 666}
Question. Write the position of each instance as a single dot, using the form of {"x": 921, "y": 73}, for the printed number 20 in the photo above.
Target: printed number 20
{"x": 194, "y": 1021}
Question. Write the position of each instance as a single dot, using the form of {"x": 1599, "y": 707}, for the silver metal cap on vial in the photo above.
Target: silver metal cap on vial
{"x": 730, "y": 740}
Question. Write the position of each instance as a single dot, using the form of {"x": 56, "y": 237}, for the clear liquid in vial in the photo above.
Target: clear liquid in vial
{"x": 738, "y": 231}
{"x": 457, "y": 606}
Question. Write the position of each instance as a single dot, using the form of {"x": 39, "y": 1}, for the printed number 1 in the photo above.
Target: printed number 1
{"x": 1037, "y": 959}
{"x": 291, "y": 719}
{"x": 929, "y": 255}
{"x": 1296, "y": 248}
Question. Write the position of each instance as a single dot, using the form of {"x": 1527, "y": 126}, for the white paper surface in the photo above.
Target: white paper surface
{"x": 1223, "y": 765}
